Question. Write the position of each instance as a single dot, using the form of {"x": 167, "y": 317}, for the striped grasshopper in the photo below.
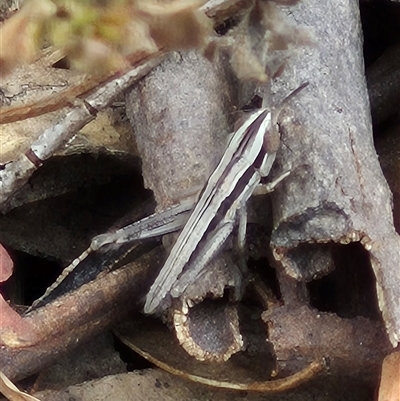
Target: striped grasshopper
{"x": 248, "y": 157}
{"x": 208, "y": 222}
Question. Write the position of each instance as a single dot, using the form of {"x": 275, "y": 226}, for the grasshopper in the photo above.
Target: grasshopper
{"x": 208, "y": 223}
{"x": 248, "y": 157}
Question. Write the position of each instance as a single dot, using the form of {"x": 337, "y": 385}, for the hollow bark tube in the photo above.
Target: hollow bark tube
{"x": 182, "y": 113}
{"x": 336, "y": 191}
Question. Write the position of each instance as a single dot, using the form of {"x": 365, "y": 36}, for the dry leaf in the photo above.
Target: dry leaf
{"x": 12, "y": 325}
{"x": 14, "y": 330}
{"x": 102, "y": 37}
{"x": 6, "y": 265}
{"x": 389, "y": 389}
{"x": 11, "y": 392}
{"x": 243, "y": 372}
{"x": 19, "y": 36}
{"x": 191, "y": 27}
{"x": 263, "y": 30}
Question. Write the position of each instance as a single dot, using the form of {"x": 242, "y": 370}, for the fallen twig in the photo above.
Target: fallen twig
{"x": 16, "y": 173}
{"x": 76, "y": 317}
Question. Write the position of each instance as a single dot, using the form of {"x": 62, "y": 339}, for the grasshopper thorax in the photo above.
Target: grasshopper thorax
{"x": 272, "y": 137}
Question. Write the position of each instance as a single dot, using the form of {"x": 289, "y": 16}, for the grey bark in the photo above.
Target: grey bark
{"x": 182, "y": 113}
{"x": 336, "y": 192}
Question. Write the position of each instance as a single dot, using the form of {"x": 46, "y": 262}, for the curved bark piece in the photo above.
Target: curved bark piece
{"x": 243, "y": 372}
{"x": 336, "y": 191}
{"x": 304, "y": 334}
{"x": 194, "y": 326}
{"x": 208, "y": 328}
{"x": 181, "y": 114}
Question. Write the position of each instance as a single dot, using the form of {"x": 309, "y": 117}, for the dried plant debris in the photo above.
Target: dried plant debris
{"x": 8, "y": 8}
{"x": 73, "y": 86}
{"x": 75, "y": 317}
{"x": 221, "y": 10}
{"x": 336, "y": 181}
{"x": 102, "y": 36}
{"x": 389, "y": 389}
{"x": 161, "y": 128}
{"x": 41, "y": 88}
{"x": 16, "y": 173}
{"x": 52, "y": 103}
{"x": 10, "y": 318}
{"x": 92, "y": 360}
{"x": 97, "y": 263}
{"x": 68, "y": 199}
{"x": 302, "y": 334}
{"x": 155, "y": 384}
{"x": 6, "y": 265}
{"x": 209, "y": 331}
{"x": 153, "y": 341}
{"x": 20, "y": 34}
{"x": 36, "y": 81}
{"x": 194, "y": 32}
{"x": 146, "y": 24}
{"x": 11, "y": 391}
{"x": 260, "y": 41}
{"x": 181, "y": 114}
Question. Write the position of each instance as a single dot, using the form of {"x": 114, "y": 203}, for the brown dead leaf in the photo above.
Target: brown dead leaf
{"x": 11, "y": 323}
{"x": 19, "y": 35}
{"x": 191, "y": 27}
{"x": 30, "y": 91}
{"x": 389, "y": 389}
{"x": 14, "y": 330}
{"x": 264, "y": 30}
{"x": 102, "y": 38}
{"x": 153, "y": 341}
{"x": 11, "y": 392}
{"x": 155, "y": 385}
{"x": 6, "y": 265}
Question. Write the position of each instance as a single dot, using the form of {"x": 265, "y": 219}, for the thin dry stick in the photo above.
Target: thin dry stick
{"x": 76, "y": 317}
{"x": 16, "y": 173}
{"x": 218, "y": 10}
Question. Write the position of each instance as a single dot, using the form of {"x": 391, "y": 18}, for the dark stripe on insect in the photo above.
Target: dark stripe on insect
{"x": 251, "y": 131}
{"x": 226, "y": 205}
